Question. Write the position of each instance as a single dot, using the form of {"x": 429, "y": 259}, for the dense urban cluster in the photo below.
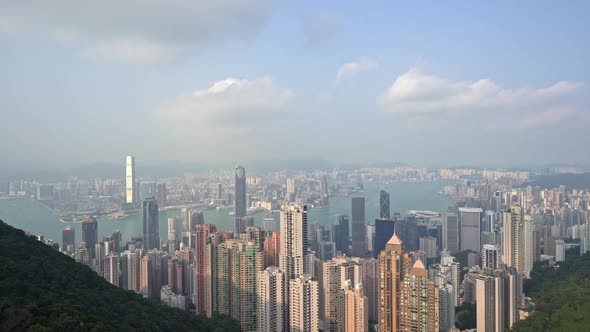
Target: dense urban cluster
{"x": 396, "y": 273}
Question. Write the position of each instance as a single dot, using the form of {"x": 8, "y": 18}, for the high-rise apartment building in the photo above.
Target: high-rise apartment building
{"x": 304, "y": 304}
{"x": 450, "y": 233}
{"x": 498, "y": 296}
{"x": 332, "y": 297}
{"x": 518, "y": 246}
{"x": 419, "y": 301}
{"x": 470, "y": 221}
{"x": 359, "y": 238}
{"x": 240, "y": 207}
{"x": 111, "y": 269}
{"x": 272, "y": 249}
{"x": 490, "y": 256}
{"x": 270, "y": 294}
{"x": 384, "y": 205}
{"x": 356, "y": 308}
{"x": 202, "y": 233}
{"x": 151, "y": 233}
{"x": 294, "y": 245}
{"x": 130, "y": 270}
{"x": 131, "y": 190}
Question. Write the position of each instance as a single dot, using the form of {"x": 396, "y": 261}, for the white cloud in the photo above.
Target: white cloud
{"x": 231, "y": 103}
{"x": 138, "y": 30}
{"x": 417, "y": 93}
{"x": 352, "y": 69}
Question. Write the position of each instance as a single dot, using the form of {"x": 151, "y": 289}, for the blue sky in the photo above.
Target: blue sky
{"x": 428, "y": 83}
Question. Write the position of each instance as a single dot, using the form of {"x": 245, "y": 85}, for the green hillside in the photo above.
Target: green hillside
{"x": 562, "y": 296}
{"x": 44, "y": 290}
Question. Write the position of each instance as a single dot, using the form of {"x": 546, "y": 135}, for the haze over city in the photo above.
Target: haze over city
{"x": 207, "y": 82}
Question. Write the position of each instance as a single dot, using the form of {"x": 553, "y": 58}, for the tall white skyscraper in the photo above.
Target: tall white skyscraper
{"x": 130, "y": 184}
{"x": 453, "y": 270}
{"x": 270, "y": 294}
{"x": 304, "y": 307}
{"x": 517, "y": 246}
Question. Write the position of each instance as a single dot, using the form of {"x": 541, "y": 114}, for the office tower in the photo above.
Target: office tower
{"x": 197, "y": 218}
{"x": 240, "y": 199}
{"x": 428, "y": 246}
{"x": 294, "y": 247}
{"x": 331, "y": 297}
{"x": 370, "y": 232}
{"x": 559, "y": 251}
{"x": 341, "y": 234}
{"x": 162, "y": 194}
{"x": 130, "y": 268}
{"x": 90, "y": 237}
{"x": 304, "y": 304}
{"x": 356, "y": 308}
{"x": 272, "y": 249}
{"x": 202, "y": 233}
{"x": 325, "y": 247}
{"x": 359, "y": 245}
{"x": 68, "y": 238}
{"x": 384, "y": 205}
{"x": 490, "y": 256}
{"x": 470, "y": 220}
{"x": 488, "y": 222}
{"x": 419, "y": 299}
{"x": 151, "y": 234}
{"x": 131, "y": 190}
{"x": 383, "y": 231}
{"x": 450, "y": 232}
{"x": 393, "y": 262}
{"x": 185, "y": 216}
{"x": 174, "y": 226}
{"x": 219, "y": 192}
{"x": 271, "y": 295}
{"x": 447, "y": 300}
{"x": 111, "y": 269}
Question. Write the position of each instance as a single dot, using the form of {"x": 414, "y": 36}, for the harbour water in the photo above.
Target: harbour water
{"x": 33, "y": 217}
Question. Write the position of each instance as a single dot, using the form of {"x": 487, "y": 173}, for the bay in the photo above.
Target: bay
{"x": 33, "y": 217}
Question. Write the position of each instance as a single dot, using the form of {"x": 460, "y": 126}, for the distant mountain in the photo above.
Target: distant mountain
{"x": 44, "y": 290}
{"x": 569, "y": 180}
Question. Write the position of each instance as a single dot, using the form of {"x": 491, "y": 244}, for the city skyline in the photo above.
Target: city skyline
{"x": 202, "y": 86}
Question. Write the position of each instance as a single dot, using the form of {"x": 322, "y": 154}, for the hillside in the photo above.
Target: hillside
{"x": 562, "y": 296}
{"x": 44, "y": 290}
{"x": 569, "y": 180}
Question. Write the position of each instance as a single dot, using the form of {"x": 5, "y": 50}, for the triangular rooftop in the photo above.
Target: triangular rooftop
{"x": 394, "y": 240}
{"x": 419, "y": 265}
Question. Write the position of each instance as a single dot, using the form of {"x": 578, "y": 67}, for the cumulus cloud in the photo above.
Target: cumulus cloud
{"x": 354, "y": 68}
{"x": 227, "y": 104}
{"x": 417, "y": 93}
{"x": 138, "y": 30}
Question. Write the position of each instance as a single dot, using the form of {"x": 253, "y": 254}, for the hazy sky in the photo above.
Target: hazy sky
{"x": 426, "y": 83}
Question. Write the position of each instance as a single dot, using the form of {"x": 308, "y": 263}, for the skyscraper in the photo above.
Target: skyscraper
{"x": 131, "y": 191}
{"x": 356, "y": 308}
{"x": 68, "y": 238}
{"x": 419, "y": 299}
{"x": 111, "y": 269}
{"x": 90, "y": 237}
{"x": 517, "y": 246}
{"x": 272, "y": 249}
{"x": 162, "y": 194}
{"x": 130, "y": 269}
{"x": 202, "y": 233}
{"x": 341, "y": 234}
{"x": 383, "y": 231}
{"x": 240, "y": 199}
{"x": 384, "y": 205}
{"x": 270, "y": 294}
{"x": 490, "y": 256}
{"x": 151, "y": 235}
{"x": 324, "y": 194}
{"x": 332, "y": 296}
{"x": 498, "y": 297}
{"x": 470, "y": 220}
{"x": 359, "y": 238}
{"x": 304, "y": 304}
{"x": 450, "y": 232}
{"x": 294, "y": 247}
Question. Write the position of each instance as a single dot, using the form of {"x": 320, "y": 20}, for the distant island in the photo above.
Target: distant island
{"x": 569, "y": 180}
{"x": 44, "y": 290}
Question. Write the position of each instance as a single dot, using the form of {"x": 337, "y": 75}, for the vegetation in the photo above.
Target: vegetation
{"x": 466, "y": 315}
{"x": 463, "y": 257}
{"x": 44, "y": 290}
{"x": 569, "y": 180}
{"x": 561, "y": 296}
